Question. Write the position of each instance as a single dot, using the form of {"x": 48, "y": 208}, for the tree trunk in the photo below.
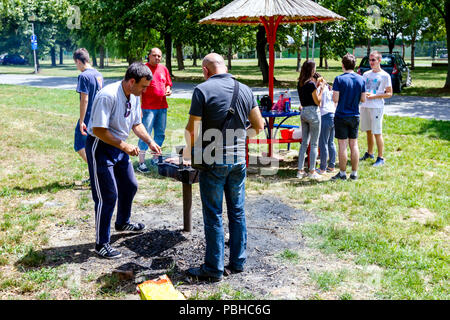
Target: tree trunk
{"x": 320, "y": 57}
{"x": 194, "y": 63}
{"x": 94, "y": 60}
{"x": 326, "y": 64}
{"x": 391, "y": 43}
{"x": 180, "y": 58}
{"x": 369, "y": 46}
{"x": 53, "y": 56}
{"x": 261, "y": 43}
{"x": 168, "y": 46}
{"x": 447, "y": 28}
{"x": 413, "y": 49}
{"x": 403, "y": 48}
{"x": 299, "y": 60}
{"x": 230, "y": 55}
{"x": 102, "y": 57}
{"x": 61, "y": 54}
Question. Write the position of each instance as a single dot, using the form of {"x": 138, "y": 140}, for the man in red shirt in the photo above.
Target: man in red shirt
{"x": 154, "y": 104}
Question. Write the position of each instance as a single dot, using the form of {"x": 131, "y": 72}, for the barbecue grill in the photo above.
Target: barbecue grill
{"x": 187, "y": 176}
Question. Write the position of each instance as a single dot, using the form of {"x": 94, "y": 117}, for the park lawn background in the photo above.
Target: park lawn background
{"x": 427, "y": 81}
{"x": 395, "y": 218}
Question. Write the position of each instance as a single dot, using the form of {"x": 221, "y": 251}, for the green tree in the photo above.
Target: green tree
{"x": 442, "y": 9}
{"x": 16, "y": 27}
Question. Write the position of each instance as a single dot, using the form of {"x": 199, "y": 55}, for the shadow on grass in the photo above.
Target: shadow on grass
{"x": 436, "y": 128}
{"x": 146, "y": 245}
{"x": 49, "y": 188}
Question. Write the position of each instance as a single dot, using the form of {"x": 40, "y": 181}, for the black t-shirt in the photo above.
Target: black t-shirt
{"x": 211, "y": 101}
{"x": 305, "y": 93}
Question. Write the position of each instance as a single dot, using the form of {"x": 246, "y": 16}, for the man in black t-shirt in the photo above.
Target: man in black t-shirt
{"x": 210, "y": 105}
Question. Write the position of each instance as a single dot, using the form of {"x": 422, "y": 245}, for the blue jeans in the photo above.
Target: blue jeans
{"x": 228, "y": 179}
{"x": 311, "y": 119}
{"x": 154, "y": 120}
{"x": 326, "y": 142}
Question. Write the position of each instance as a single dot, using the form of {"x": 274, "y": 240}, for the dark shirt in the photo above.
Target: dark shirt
{"x": 350, "y": 86}
{"x": 305, "y": 93}
{"x": 211, "y": 100}
{"x": 90, "y": 81}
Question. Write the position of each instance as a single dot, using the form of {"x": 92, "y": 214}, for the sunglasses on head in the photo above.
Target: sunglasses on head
{"x": 128, "y": 110}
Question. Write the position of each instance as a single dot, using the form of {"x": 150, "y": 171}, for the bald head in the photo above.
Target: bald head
{"x": 154, "y": 57}
{"x": 214, "y": 64}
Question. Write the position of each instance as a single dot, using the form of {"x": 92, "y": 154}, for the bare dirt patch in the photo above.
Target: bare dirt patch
{"x": 421, "y": 215}
{"x": 273, "y": 228}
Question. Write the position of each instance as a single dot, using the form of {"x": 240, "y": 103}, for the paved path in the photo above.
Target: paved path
{"x": 420, "y": 107}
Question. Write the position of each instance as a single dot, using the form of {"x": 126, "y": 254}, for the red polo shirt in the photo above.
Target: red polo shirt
{"x": 154, "y": 97}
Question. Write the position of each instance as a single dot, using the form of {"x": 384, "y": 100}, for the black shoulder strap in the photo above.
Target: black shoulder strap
{"x": 232, "y": 109}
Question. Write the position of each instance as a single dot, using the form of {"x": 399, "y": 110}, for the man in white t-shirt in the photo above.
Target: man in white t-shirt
{"x": 378, "y": 87}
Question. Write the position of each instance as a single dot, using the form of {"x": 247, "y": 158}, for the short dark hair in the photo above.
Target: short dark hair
{"x": 349, "y": 61}
{"x": 137, "y": 71}
{"x": 81, "y": 54}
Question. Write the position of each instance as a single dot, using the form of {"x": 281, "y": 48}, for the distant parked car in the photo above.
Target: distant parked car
{"x": 393, "y": 64}
{"x": 13, "y": 59}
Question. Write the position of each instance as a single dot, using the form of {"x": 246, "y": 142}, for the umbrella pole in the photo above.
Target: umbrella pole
{"x": 271, "y": 27}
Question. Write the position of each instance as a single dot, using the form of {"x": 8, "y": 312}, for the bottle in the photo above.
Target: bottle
{"x": 280, "y": 103}
{"x": 286, "y": 101}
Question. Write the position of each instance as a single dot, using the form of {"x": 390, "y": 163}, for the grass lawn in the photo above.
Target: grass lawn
{"x": 427, "y": 81}
{"x": 395, "y": 218}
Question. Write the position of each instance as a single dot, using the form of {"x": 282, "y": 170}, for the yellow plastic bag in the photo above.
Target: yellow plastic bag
{"x": 159, "y": 289}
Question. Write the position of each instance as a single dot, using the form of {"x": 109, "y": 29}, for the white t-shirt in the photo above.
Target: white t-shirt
{"x": 376, "y": 83}
{"x": 327, "y": 105}
{"x": 109, "y": 110}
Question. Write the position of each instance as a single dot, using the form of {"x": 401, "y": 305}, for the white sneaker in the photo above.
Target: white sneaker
{"x": 314, "y": 175}
{"x": 301, "y": 174}
{"x": 142, "y": 168}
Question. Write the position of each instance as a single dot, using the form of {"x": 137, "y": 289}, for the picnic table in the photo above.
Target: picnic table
{"x": 274, "y": 121}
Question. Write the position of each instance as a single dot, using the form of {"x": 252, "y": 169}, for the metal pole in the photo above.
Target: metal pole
{"x": 187, "y": 207}
{"x": 314, "y": 39}
{"x": 34, "y": 51}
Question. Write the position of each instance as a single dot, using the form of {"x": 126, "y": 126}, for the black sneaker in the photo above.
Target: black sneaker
{"x": 353, "y": 177}
{"x": 339, "y": 176}
{"x": 106, "y": 251}
{"x": 142, "y": 168}
{"x": 229, "y": 270}
{"x": 132, "y": 227}
{"x": 366, "y": 156}
{"x": 200, "y": 274}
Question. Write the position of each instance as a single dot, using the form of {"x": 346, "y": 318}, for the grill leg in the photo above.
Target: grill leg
{"x": 187, "y": 207}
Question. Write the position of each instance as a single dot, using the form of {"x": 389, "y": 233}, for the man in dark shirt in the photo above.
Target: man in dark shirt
{"x": 211, "y": 102}
{"x": 348, "y": 90}
{"x": 90, "y": 81}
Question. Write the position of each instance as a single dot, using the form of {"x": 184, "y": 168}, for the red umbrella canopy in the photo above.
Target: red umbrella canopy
{"x": 271, "y": 13}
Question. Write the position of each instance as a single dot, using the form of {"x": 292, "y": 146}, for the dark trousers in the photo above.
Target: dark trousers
{"x": 112, "y": 180}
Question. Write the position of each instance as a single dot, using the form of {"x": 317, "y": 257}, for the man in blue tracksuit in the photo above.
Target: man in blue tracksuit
{"x": 115, "y": 112}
